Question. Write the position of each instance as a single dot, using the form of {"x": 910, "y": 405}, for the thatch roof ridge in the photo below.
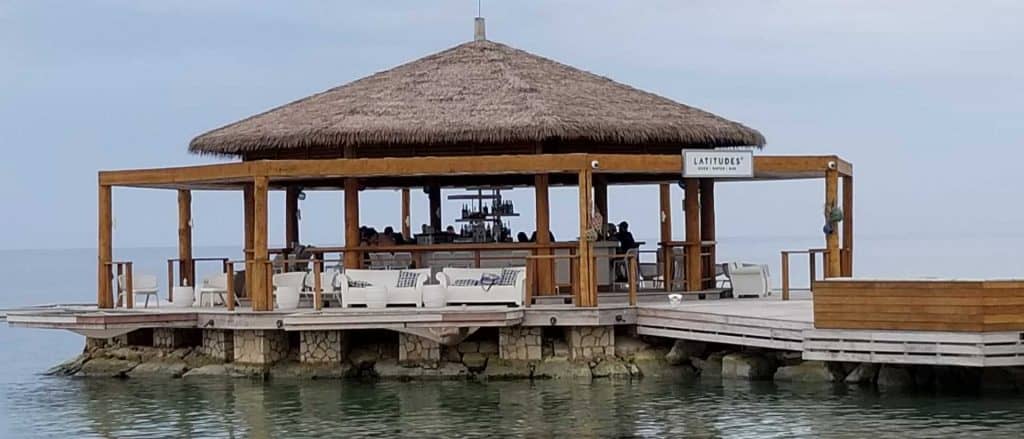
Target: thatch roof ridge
{"x": 477, "y": 92}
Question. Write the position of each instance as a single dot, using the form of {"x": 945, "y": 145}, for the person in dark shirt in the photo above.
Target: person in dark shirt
{"x": 625, "y": 238}
{"x": 521, "y": 237}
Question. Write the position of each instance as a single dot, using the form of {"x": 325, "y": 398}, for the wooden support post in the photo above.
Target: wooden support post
{"x": 785, "y": 274}
{"x": 707, "y": 226}
{"x": 434, "y": 194}
{"x": 832, "y": 265}
{"x": 601, "y": 200}
{"x": 291, "y": 216}
{"x": 185, "y": 237}
{"x": 665, "y": 198}
{"x": 847, "y": 226}
{"x": 406, "y": 215}
{"x": 248, "y": 207}
{"x": 545, "y": 271}
{"x": 587, "y": 291}
{"x": 353, "y": 259}
{"x": 693, "y": 236}
{"x": 262, "y": 299}
{"x": 229, "y": 269}
{"x": 104, "y": 253}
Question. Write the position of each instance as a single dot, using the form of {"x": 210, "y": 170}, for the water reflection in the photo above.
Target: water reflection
{"x": 57, "y": 407}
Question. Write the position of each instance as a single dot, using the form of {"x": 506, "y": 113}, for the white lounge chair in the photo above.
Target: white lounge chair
{"x": 217, "y": 286}
{"x": 351, "y": 294}
{"x": 749, "y": 280}
{"x": 451, "y": 278}
{"x": 142, "y": 284}
{"x": 293, "y": 280}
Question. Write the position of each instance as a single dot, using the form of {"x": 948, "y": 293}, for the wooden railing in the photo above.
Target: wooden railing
{"x": 122, "y": 268}
{"x": 669, "y": 257}
{"x": 812, "y": 267}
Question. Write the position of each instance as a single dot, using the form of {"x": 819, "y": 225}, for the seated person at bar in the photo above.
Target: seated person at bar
{"x": 551, "y": 236}
{"x": 625, "y": 238}
{"x": 521, "y": 237}
{"x": 387, "y": 238}
{"x": 610, "y": 234}
{"x": 394, "y": 238}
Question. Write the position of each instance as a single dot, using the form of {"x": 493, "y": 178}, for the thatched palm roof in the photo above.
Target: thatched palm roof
{"x": 482, "y": 93}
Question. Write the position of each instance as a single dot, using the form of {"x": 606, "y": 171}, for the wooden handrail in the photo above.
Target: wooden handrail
{"x": 812, "y": 267}
{"x": 531, "y": 263}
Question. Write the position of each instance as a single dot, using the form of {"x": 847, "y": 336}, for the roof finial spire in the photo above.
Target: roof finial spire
{"x": 479, "y": 33}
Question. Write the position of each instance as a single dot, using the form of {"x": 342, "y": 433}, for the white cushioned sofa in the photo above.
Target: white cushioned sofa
{"x": 387, "y": 279}
{"x": 451, "y": 278}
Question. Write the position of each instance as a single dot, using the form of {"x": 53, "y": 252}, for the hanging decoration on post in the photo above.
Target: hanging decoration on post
{"x": 833, "y": 215}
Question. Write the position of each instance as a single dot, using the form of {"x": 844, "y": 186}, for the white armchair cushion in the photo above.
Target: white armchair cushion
{"x": 460, "y": 288}
{"x": 749, "y": 280}
{"x": 352, "y": 293}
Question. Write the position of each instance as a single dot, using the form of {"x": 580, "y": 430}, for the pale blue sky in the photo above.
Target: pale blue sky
{"x": 924, "y": 97}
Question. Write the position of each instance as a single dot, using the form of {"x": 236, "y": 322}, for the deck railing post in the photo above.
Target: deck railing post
{"x": 170, "y": 280}
{"x": 118, "y": 289}
{"x": 229, "y": 271}
{"x": 318, "y": 297}
{"x": 785, "y": 275}
{"x": 633, "y": 272}
{"x": 812, "y": 262}
{"x": 129, "y": 295}
{"x": 530, "y": 281}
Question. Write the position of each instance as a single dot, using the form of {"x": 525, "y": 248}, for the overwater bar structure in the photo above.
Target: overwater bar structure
{"x": 484, "y": 115}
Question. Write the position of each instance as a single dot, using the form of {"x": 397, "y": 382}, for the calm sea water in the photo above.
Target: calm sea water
{"x": 33, "y": 405}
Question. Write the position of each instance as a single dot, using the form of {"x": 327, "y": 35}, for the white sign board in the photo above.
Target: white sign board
{"x": 718, "y": 164}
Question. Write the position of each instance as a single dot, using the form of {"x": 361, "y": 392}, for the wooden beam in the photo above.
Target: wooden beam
{"x": 848, "y": 226}
{"x": 262, "y": 291}
{"x": 707, "y": 224}
{"x": 544, "y": 267}
{"x": 185, "y": 238}
{"x": 665, "y": 202}
{"x": 352, "y": 259}
{"x": 104, "y": 254}
{"x": 587, "y": 292}
{"x": 832, "y": 265}
{"x": 774, "y": 167}
{"x": 434, "y": 193}
{"x": 406, "y": 215}
{"x": 693, "y": 236}
{"x": 249, "y": 211}
{"x": 291, "y": 216}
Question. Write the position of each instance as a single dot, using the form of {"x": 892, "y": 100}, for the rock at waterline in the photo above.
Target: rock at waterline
{"x": 558, "y": 368}
{"x": 106, "y": 367}
{"x": 159, "y": 369}
{"x": 747, "y": 366}
{"x": 710, "y": 367}
{"x": 892, "y": 377}
{"x": 864, "y": 373}
{"x": 475, "y": 361}
{"x": 506, "y": 369}
{"x": 683, "y": 350}
{"x": 610, "y": 368}
{"x": 805, "y": 372}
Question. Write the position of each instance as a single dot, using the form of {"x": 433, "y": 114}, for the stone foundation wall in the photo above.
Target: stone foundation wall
{"x": 520, "y": 343}
{"x": 416, "y": 349}
{"x": 322, "y": 347}
{"x": 260, "y": 346}
{"x": 174, "y": 338}
{"x": 590, "y": 342}
{"x": 218, "y": 344}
